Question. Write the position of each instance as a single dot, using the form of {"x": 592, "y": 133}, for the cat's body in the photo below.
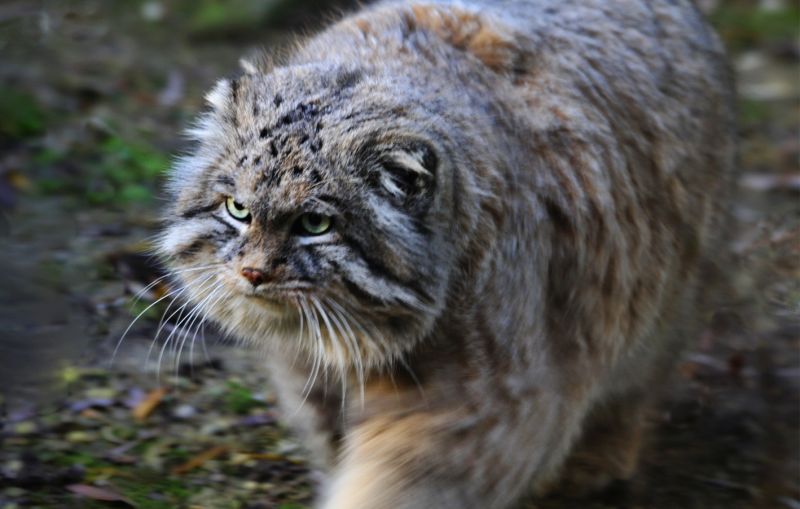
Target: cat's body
{"x": 469, "y": 236}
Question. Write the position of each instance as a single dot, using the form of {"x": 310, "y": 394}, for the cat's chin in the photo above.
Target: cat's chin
{"x": 277, "y": 307}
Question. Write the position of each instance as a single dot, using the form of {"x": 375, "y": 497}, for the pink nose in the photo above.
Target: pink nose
{"x": 255, "y": 276}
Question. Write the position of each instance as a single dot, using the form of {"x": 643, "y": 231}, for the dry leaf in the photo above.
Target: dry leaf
{"x": 149, "y": 403}
{"x": 268, "y": 456}
{"x": 95, "y": 493}
{"x": 201, "y": 458}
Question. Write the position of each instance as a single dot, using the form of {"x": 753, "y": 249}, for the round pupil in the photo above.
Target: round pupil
{"x": 314, "y": 220}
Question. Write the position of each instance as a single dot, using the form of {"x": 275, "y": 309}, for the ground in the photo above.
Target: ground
{"x": 92, "y": 98}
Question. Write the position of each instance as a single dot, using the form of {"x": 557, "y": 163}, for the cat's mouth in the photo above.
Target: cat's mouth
{"x": 282, "y": 296}
{"x": 278, "y": 297}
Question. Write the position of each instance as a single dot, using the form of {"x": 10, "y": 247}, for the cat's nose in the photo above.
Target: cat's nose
{"x": 255, "y": 276}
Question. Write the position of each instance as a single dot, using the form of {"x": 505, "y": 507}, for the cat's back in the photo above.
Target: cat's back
{"x": 651, "y": 66}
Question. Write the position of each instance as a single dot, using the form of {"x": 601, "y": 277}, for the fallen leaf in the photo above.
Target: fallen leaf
{"x": 201, "y": 458}
{"x": 149, "y": 403}
{"x": 95, "y": 493}
{"x": 268, "y": 456}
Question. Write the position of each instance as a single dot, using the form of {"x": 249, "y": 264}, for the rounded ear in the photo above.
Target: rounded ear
{"x": 407, "y": 175}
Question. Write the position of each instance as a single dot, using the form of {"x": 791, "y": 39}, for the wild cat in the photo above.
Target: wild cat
{"x": 468, "y": 234}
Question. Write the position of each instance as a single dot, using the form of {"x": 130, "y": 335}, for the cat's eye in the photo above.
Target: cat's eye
{"x": 314, "y": 224}
{"x": 237, "y": 210}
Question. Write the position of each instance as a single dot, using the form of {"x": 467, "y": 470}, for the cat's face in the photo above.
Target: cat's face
{"x": 312, "y": 217}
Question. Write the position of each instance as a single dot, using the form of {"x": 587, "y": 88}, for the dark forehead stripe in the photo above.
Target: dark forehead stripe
{"x": 273, "y": 177}
{"x": 234, "y": 100}
{"x": 303, "y": 111}
{"x": 226, "y": 180}
{"x": 196, "y": 211}
{"x": 234, "y": 91}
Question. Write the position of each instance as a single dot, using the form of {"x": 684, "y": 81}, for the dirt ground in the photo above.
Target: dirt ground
{"x": 93, "y": 96}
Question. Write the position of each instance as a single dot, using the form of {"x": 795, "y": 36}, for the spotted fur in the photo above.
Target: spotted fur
{"x": 521, "y": 194}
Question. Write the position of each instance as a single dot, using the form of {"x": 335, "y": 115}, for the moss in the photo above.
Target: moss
{"x": 217, "y": 16}
{"x": 239, "y": 399}
{"x": 742, "y": 26}
{"x": 753, "y": 112}
{"x": 20, "y": 115}
{"x": 86, "y": 460}
{"x": 151, "y": 490}
{"x": 119, "y": 171}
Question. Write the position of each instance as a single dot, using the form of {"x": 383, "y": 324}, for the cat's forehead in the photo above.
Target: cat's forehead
{"x": 304, "y": 129}
{"x": 281, "y": 130}
{"x": 284, "y": 88}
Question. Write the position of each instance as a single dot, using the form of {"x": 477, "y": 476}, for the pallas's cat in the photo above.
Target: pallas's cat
{"x": 467, "y": 233}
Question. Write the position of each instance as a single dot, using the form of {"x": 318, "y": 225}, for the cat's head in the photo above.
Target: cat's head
{"x": 315, "y": 213}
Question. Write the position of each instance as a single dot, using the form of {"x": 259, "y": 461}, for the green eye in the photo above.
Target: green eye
{"x": 315, "y": 224}
{"x": 237, "y": 210}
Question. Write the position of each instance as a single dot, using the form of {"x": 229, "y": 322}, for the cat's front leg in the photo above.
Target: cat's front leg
{"x": 456, "y": 454}
{"x": 312, "y": 409}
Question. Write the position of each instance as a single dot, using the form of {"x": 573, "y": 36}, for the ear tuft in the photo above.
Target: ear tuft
{"x": 219, "y": 96}
{"x": 249, "y": 67}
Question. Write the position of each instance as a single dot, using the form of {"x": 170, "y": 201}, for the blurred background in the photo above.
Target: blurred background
{"x": 93, "y": 97}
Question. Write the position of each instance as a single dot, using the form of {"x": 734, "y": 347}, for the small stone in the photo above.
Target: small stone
{"x": 184, "y": 412}
{"x": 101, "y": 393}
{"x": 76, "y": 437}
{"x": 153, "y": 11}
{"x": 12, "y": 467}
{"x": 240, "y": 459}
{"x": 25, "y": 428}
{"x": 14, "y": 492}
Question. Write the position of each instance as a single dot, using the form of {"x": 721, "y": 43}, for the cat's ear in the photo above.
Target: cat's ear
{"x": 407, "y": 174}
{"x": 210, "y": 125}
{"x": 219, "y": 98}
{"x": 257, "y": 63}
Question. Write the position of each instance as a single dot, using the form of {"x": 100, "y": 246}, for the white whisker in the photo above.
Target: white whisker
{"x": 311, "y": 318}
{"x": 205, "y": 311}
{"x": 165, "y": 319}
{"x": 203, "y": 286}
{"x": 355, "y": 350}
{"x": 122, "y": 337}
{"x": 138, "y": 295}
{"x": 336, "y": 345}
{"x": 405, "y": 365}
{"x": 301, "y": 333}
{"x": 191, "y": 321}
